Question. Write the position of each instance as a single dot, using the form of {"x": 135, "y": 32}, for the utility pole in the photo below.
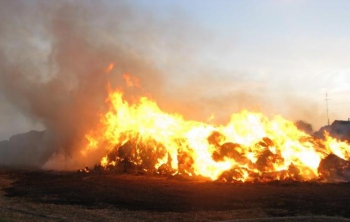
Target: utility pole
{"x": 327, "y": 107}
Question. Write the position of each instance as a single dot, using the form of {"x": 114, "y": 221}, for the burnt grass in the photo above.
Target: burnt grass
{"x": 180, "y": 194}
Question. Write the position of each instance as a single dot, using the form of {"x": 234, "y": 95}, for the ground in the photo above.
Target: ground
{"x": 34, "y": 195}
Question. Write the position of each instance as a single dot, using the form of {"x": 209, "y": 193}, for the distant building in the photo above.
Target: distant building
{"x": 339, "y": 129}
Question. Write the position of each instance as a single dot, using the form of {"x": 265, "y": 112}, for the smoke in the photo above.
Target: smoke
{"x": 52, "y": 62}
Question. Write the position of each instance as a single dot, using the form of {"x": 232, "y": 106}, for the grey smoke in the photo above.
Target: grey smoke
{"x": 52, "y": 61}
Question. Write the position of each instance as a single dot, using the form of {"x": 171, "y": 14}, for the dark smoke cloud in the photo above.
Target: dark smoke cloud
{"x": 52, "y": 61}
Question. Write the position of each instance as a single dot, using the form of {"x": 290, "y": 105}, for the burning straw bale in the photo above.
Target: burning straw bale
{"x": 334, "y": 169}
{"x": 139, "y": 156}
{"x": 251, "y": 147}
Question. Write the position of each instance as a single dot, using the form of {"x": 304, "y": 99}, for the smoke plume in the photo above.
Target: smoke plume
{"x": 52, "y": 64}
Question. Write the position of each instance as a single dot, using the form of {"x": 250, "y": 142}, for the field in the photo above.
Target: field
{"x": 34, "y": 195}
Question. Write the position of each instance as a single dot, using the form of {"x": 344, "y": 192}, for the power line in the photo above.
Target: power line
{"x": 327, "y": 107}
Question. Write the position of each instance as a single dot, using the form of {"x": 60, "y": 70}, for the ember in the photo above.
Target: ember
{"x": 140, "y": 137}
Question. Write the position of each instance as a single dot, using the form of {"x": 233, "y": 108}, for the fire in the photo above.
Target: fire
{"x": 131, "y": 81}
{"x": 109, "y": 68}
{"x": 251, "y": 147}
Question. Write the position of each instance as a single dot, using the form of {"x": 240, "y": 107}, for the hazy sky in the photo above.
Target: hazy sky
{"x": 291, "y": 49}
{"x": 289, "y": 52}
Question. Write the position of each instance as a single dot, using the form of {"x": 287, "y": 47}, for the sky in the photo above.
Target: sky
{"x": 277, "y": 57}
{"x": 294, "y": 50}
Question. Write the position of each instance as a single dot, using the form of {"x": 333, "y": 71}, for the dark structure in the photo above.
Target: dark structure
{"x": 339, "y": 129}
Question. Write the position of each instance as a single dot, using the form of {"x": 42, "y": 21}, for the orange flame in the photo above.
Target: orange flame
{"x": 109, "y": 68}
{"x": 131, "y": 81}
{"x": 250, "y": 147}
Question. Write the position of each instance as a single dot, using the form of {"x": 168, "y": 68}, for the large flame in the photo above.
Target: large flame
{"x": 250, "y": 147}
